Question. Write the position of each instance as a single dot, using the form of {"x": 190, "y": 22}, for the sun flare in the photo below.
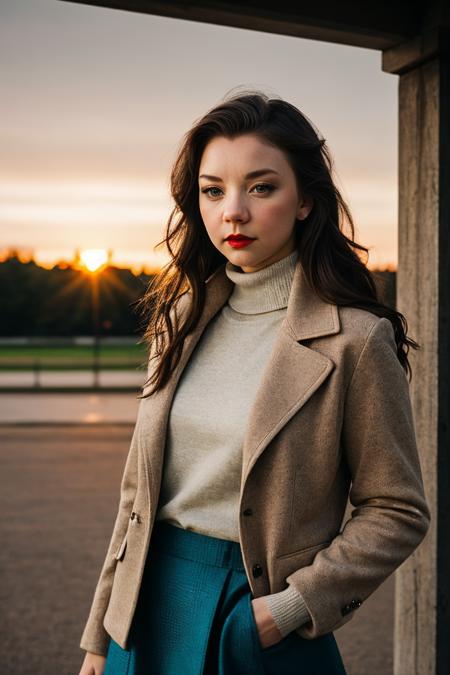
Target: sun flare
{"x": 93, "y": 258}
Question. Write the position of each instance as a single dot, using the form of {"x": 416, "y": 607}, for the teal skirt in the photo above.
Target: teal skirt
{"x": 194, "y": 617}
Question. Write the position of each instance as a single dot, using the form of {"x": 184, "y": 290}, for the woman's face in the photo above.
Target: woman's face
{"x": 263, "y": 207}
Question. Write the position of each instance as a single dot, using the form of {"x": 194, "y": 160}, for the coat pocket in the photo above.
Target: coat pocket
{"x": 307, "y": 551}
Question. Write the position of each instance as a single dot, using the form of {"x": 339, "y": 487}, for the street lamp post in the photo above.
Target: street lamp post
{"x": 96, "y": 326}
{"x": 94, "y": 261}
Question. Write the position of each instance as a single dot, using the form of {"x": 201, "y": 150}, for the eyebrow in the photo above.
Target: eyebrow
{"x": 252, "y": 174}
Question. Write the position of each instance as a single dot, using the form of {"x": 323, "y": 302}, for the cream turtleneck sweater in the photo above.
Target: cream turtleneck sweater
{"x": 203, "y": 456}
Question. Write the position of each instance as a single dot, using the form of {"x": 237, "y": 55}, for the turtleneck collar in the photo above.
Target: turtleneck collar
{"x": 265, "y": 290}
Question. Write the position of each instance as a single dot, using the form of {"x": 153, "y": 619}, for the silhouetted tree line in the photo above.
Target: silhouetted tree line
{"x": 35, "y": 301}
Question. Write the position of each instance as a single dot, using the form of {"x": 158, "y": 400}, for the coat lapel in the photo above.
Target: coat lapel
{"x": 293, "y": 371}
{"x": 292, "y": 374}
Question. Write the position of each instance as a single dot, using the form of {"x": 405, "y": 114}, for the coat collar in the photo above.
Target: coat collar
{"x": 292, "y": 374}
{"x": 307, "y": 315}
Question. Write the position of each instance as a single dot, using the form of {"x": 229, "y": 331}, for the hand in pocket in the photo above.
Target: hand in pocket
{"x": 266, "y": 627}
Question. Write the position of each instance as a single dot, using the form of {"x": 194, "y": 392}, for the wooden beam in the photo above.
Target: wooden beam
{"x": 422, "y": 608}
{"x": 373, "y": 25}
{"x": 433, "y": 42}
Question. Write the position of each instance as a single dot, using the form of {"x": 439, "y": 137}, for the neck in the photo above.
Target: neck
{"x": 265, "y": 290}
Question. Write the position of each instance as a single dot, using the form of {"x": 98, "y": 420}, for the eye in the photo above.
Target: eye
{"x": 268, "y": 187}
{"x": 207, "y": 191}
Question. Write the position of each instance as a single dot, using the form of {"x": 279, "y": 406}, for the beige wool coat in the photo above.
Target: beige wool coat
{"x": 331, "y": 419}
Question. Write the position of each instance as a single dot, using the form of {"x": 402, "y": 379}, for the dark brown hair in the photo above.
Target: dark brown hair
{"x": 329, "y": 258}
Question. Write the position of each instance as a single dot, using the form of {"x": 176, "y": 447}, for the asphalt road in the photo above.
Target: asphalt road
{"x": 59, "y": 497}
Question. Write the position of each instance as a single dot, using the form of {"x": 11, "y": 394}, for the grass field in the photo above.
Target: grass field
{"x": 78, "y": 357}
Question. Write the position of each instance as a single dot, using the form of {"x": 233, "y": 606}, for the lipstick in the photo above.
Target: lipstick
{"x": 239, "y": 241}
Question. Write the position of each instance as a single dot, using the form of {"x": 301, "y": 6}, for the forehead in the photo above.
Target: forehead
{"x": 240, "y": 155}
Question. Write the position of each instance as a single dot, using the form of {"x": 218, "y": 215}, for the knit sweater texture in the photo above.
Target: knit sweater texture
{"x": 201, "y": 479}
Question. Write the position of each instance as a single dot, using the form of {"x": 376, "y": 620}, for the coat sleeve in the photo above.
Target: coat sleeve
{"x": 95, "y": 638}
{"x": 391, "y": 514}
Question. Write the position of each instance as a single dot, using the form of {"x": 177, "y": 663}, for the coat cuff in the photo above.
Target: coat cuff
{"x": 288, "y": 609}
{"x": 98, "y": 646}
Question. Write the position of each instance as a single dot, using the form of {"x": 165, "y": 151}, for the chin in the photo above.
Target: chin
{"x": 246, "y": 260}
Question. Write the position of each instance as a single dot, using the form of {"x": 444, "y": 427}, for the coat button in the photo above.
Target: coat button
{"x": 346, "y": 609}
{"x": 257, "y": 570}
{"x": 248, "y": 512}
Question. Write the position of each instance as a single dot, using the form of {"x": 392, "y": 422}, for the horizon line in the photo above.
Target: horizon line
{"x": 24, "y": 255}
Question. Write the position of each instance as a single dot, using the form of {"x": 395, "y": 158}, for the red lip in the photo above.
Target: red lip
{"x": 238, "y": 237}
{"x": 239, "y": 242}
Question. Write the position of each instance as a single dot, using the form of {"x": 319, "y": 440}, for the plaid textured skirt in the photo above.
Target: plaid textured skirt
{"x": 194, "y": 617}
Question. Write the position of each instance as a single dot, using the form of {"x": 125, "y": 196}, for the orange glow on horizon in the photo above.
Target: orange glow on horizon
{"x": 93, "y": 259}
{"x": 93, "y": 264}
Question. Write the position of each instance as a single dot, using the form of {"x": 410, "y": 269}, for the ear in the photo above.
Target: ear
{"x": 304, "y": 208}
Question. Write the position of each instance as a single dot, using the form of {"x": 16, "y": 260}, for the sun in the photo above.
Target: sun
{"x": 93, "y": 258}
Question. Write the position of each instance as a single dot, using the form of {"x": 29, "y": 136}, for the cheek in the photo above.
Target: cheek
{"x": 281, "y": 214}
{"x": 210, "y": 220}
{"x": 205, "y": 212}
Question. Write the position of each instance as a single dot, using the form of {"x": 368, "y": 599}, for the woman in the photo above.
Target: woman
{"x": 279, "y": 390}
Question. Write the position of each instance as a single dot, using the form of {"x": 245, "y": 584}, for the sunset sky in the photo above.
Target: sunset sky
{"x": 95, "y": 102}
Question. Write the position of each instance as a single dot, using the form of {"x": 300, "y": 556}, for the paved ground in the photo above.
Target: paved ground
{"x": 59, "y": 496}
{"x": 92, "y": 408}
{"x": 68, "y": 378}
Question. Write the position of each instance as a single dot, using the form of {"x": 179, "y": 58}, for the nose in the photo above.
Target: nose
{"x": 235, "y": 210}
